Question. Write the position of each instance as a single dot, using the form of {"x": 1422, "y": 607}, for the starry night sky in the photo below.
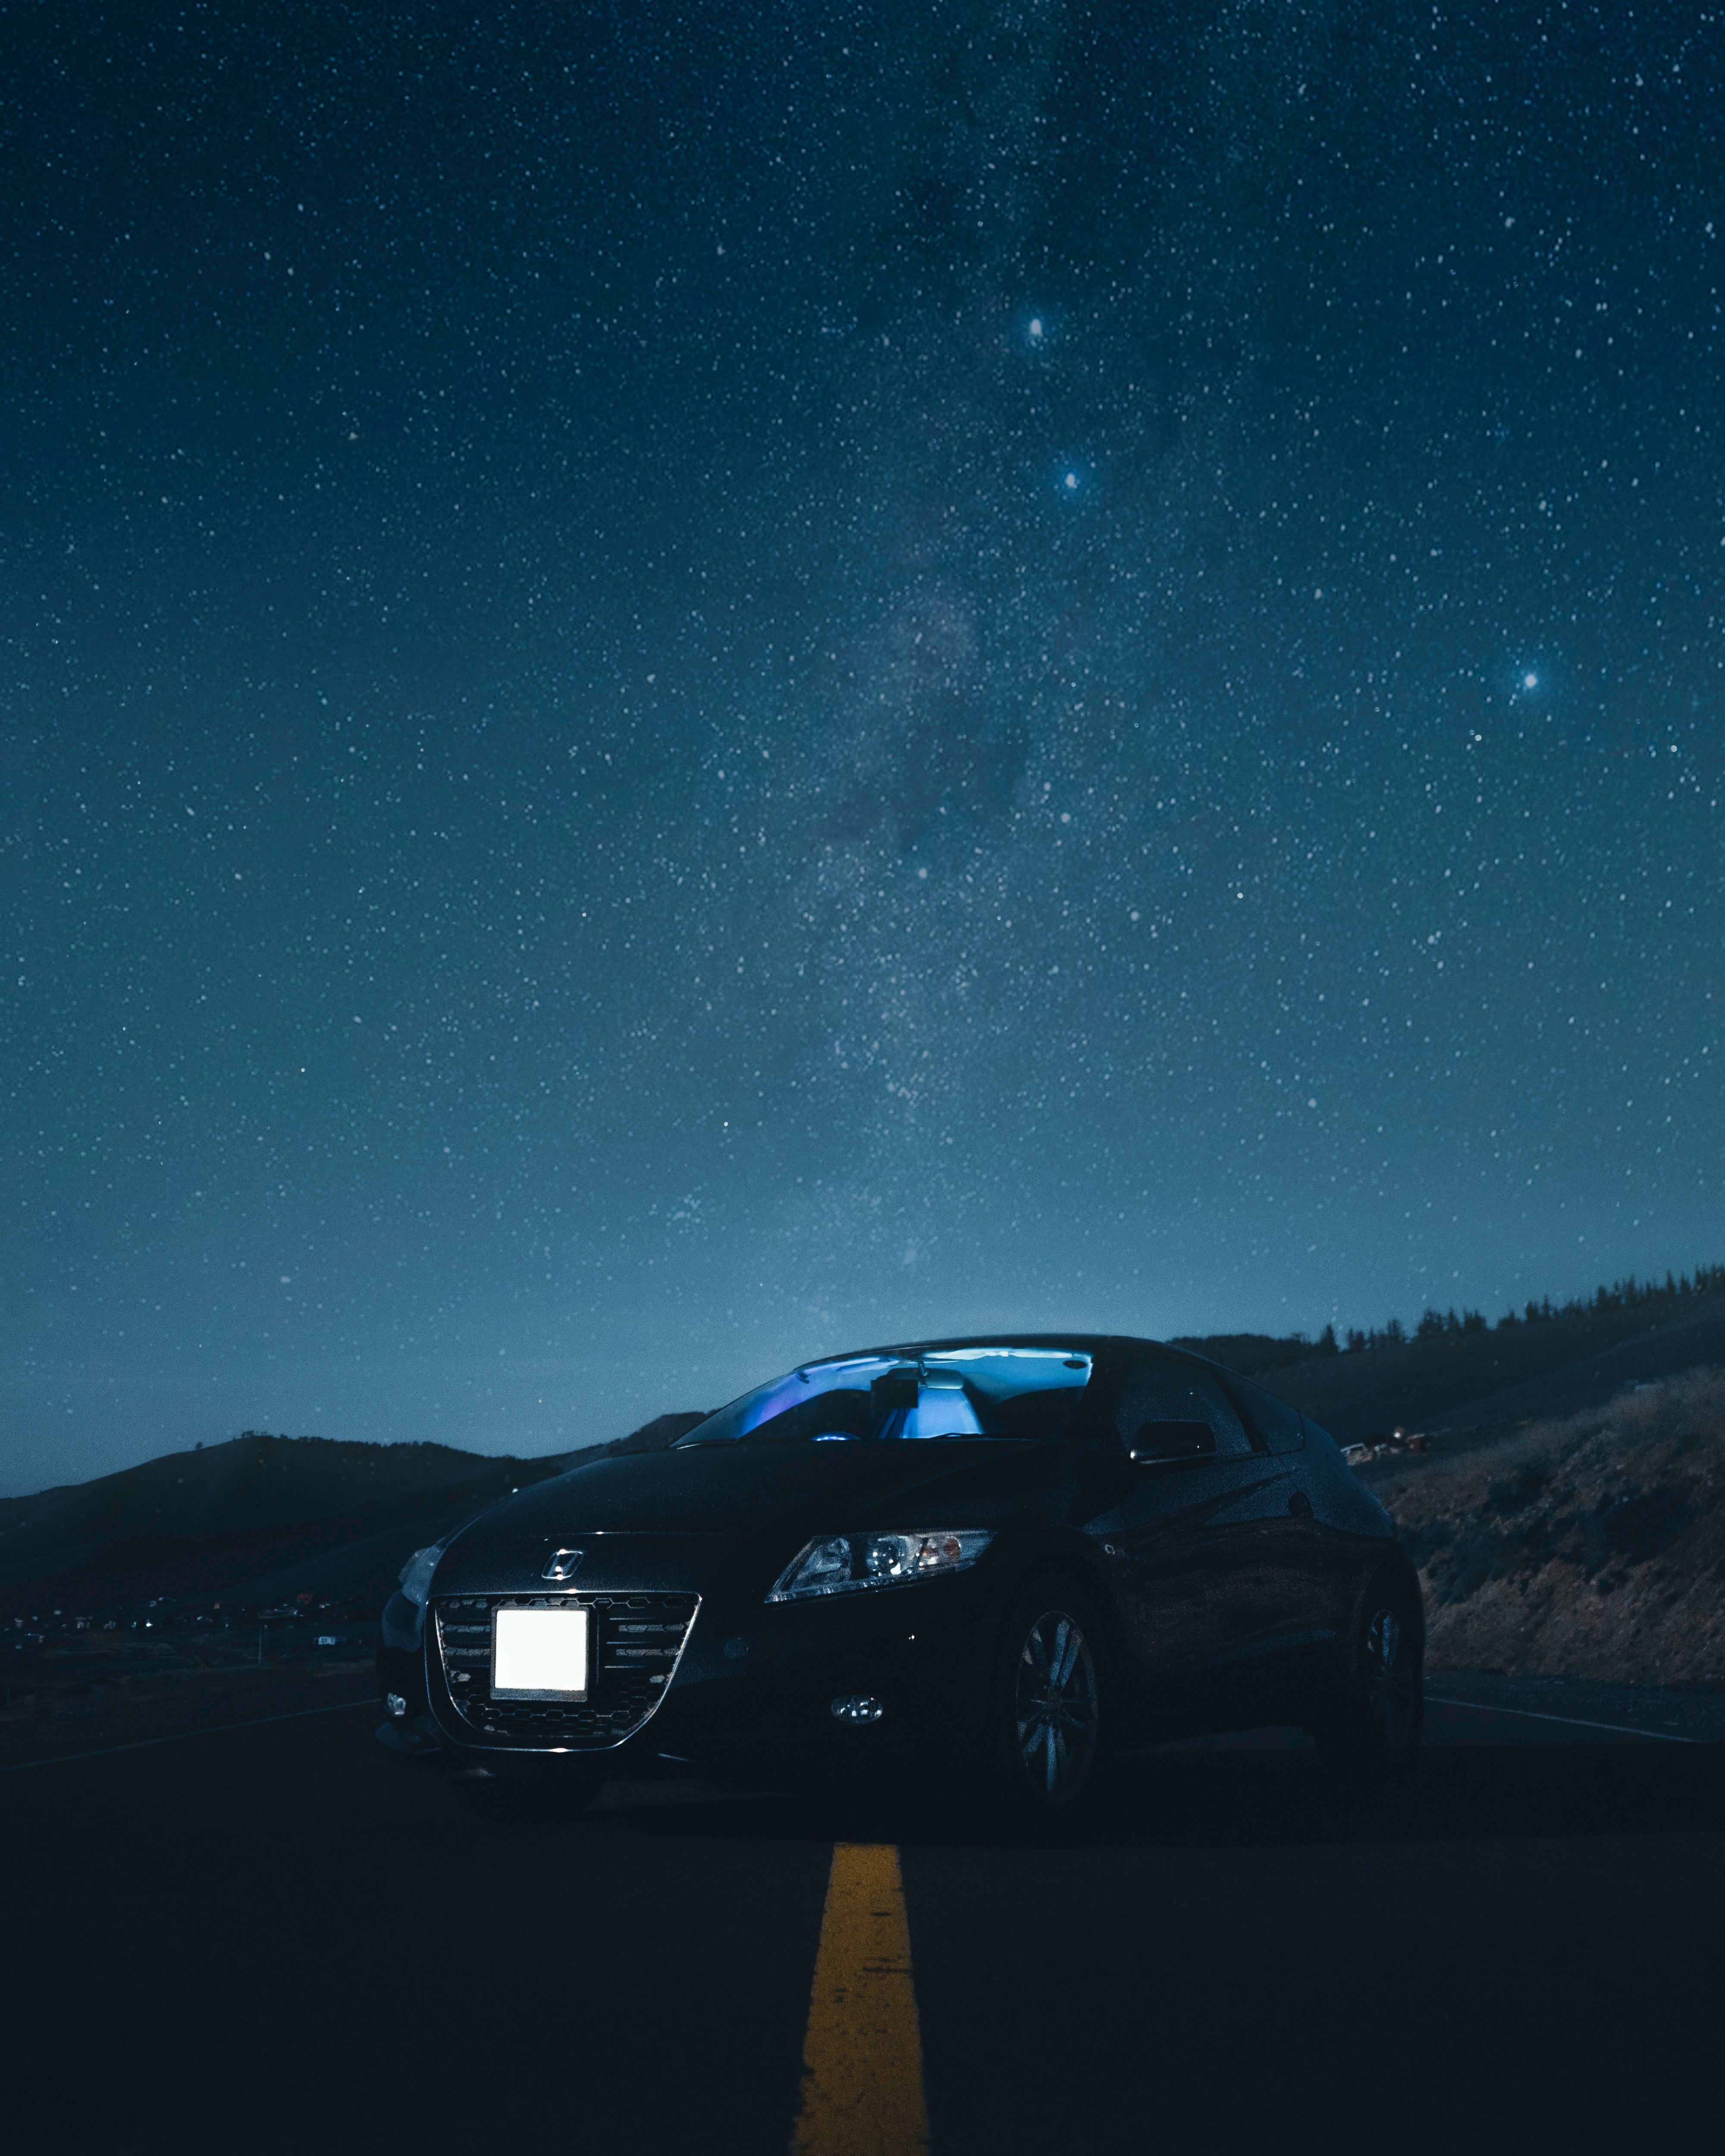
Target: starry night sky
{"x": 687, "y": 685}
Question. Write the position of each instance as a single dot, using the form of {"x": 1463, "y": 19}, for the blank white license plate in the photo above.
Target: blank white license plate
{"x": 539, "y": 1654}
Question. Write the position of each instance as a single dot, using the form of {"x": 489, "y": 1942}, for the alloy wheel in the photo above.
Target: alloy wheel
{"x": 1054, "y": 1708}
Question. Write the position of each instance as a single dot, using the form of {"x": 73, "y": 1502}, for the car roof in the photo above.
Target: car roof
{"x": 1087, "y": 1343}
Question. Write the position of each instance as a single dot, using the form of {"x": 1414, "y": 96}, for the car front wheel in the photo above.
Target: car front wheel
{"x": 1049, "y": 1697}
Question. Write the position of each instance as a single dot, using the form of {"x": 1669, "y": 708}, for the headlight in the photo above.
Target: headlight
{"x": 416, "y": 1572}
{"x": 839, "y": 1564}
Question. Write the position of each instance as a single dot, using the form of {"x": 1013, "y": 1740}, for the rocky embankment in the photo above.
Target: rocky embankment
{"x": 1593, "y": 1547}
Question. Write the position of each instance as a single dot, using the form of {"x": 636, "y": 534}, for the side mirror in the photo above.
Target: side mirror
{"x": 1156, "y": 1444}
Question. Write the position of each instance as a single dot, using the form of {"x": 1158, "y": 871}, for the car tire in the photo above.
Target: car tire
{"x": 505, "y": 1795}
{"x": 1375, "y": 1732}
{"x": 1049, "y": 1692}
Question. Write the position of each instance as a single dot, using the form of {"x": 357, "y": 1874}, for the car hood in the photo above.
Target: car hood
{"x": 695, "y": 1501}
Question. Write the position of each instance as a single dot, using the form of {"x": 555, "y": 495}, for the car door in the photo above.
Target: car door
{"x": 1293, "y": 1591}
{"x": 1181, "y": 1541}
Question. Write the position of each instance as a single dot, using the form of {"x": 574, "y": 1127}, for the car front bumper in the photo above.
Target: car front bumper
{"x": 832, "y": 1682}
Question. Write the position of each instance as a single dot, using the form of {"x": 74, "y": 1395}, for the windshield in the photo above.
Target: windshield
{"x": 1023, "y": 1393}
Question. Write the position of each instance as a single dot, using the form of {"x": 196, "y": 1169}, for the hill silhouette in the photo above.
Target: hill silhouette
{"x": 1481, "y": 1378}
{"x": 263, "y": 1518}
{"x": 259, "y": 1520}
{"x": 225, "y": 1515}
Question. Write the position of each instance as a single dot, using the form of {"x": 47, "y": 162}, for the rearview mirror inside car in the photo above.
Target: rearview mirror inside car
{"x": 896, "y": 1389}
{"x": 1156, "y": 1442}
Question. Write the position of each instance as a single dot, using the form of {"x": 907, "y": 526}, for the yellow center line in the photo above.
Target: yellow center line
{"x": 862, "y": 2057}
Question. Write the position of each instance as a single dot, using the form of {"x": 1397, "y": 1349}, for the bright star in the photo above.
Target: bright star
{"x": 1530, "y": 681}
{"x": 1072, "y": 479}
{"x": 1035, "y": 328}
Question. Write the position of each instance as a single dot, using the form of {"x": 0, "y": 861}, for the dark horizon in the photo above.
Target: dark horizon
{"x": 683, "y": 687}
{"x": 1247, "y": 1354}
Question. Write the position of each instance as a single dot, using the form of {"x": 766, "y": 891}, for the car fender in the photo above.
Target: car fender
{"x": 1070, "y": 1555}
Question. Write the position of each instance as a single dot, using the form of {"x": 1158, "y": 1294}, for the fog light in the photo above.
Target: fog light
{"x": 855, "y": 1707}
{"x": 394, "y": 1706}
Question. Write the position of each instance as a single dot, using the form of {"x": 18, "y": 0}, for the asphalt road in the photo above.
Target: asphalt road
{"x": 278, "y": 1939}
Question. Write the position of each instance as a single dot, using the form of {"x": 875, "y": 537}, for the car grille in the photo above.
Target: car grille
{"x": 636, "y": 1642}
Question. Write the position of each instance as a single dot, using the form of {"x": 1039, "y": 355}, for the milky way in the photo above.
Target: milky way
{"x": 688, "y": 686}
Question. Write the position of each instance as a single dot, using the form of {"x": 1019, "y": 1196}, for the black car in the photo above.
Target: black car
{"x": 1014, "y": 1554}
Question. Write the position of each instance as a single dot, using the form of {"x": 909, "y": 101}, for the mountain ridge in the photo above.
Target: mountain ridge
{"x": 263, "y": 1518}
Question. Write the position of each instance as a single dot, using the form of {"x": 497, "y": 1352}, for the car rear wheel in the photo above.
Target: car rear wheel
{"x": 1377, "y": 1731}
{"x": 1049, "y": 1698}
